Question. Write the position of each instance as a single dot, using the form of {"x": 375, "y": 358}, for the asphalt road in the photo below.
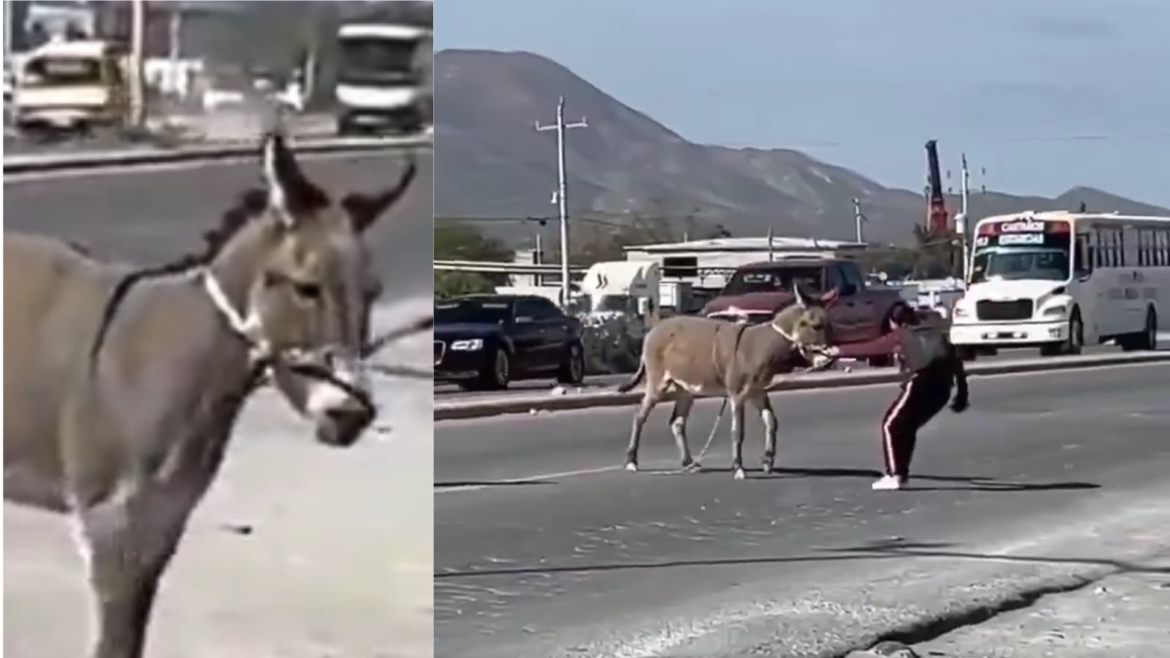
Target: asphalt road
{"x": 299, "y": 551}
{"x": 452, "y": 393}
{"x": 154, "y": 216}
{"x": 545, "y": 548}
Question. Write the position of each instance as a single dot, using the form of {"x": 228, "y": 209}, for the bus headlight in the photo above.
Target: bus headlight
{"x": 961, "y": 312}
{"x": 1058, "y": 311}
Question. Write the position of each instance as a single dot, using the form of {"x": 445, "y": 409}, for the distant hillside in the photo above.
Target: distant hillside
{"x": 493, "y": 164}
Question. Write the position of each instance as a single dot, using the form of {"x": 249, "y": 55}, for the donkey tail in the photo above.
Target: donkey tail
{"x": 637, "y": 378}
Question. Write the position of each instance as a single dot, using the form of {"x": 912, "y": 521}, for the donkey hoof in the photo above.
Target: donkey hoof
{"x": 632, "y": 467}
{"x": 740, "y": 474}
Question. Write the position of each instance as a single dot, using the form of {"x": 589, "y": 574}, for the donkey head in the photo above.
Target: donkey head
{"x": 805, "y": 324}
{"x": 311, "y": 290}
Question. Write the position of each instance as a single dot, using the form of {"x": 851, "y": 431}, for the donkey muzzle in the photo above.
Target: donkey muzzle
{"x": 338, "y": 401}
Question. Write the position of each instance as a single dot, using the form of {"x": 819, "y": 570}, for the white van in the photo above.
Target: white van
{"x": 70, "y": 85}
{"x": 380, "y": 85}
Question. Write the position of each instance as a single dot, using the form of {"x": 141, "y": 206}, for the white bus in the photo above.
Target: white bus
{"x": 1059, "y": 281}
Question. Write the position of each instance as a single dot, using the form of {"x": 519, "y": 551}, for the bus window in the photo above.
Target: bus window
{"x": 1083, "y": 259}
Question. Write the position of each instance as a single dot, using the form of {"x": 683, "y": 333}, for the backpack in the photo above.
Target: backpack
{"x": 922, "y": 347}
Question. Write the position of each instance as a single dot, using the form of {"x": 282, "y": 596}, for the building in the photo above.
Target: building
{"x": 707, "y": 264}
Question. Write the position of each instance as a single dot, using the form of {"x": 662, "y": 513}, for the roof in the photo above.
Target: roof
{"x": 1054, "y": 215}
{"x": 816, "y": 261}
{"x": 491, "y": 297}
{"x": 382, "y": 31}
{"x": 749, "y": 244}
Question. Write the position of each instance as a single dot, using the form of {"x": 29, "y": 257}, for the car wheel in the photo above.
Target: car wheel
{"x": 572, "y": 371}
{"x": 497, "y": 372}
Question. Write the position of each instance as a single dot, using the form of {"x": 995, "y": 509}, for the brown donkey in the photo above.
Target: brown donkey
{"x": 692, "y": 356}
{"x": 122, "y": 387}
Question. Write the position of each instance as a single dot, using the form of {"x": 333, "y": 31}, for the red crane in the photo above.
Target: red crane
{"x": 937, "y": 216}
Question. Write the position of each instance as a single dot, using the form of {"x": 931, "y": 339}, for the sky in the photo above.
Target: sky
{"x": 1041, "y": 95}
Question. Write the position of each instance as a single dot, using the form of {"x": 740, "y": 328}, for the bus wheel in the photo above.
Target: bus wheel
{"x": 1073, "y": 344}
{"x": 1076, "y": 335}
{"x": 1147, "y": 339}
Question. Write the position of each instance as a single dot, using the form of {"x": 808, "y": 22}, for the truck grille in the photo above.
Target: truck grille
{"x": 1018, "y": 309}
{"x": 440, "y": 348}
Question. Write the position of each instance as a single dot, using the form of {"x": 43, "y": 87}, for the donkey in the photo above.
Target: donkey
{"x": 692, "y": 356}
{"x": 122, "y": 387}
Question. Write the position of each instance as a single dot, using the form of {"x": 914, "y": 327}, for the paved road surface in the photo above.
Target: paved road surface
{"x": 580, "y": 558}
{"x": 451, "y": 393}
{"x": 337, "y": 560}
{"x": 1123, "y": 616}
{"x": 154, "y": 216}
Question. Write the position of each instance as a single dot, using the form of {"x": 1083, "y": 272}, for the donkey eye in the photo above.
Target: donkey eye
{"x": 310, "y": 291}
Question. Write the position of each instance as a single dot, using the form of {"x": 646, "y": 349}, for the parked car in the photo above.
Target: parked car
{"x": 484, "y": 342}
{"x": 861, "y": 314}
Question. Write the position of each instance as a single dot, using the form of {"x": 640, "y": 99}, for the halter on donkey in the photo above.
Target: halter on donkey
{"x": 123, "y": 387}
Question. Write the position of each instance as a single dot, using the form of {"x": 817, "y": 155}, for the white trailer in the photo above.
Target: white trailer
{"x": 1059, "y": 281}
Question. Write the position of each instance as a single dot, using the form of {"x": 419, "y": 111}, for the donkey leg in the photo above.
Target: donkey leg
{"x": 737, "y": 408}
{"x": 768, "y": 417}
{"x": 128, "y": 544}
{"x": 678, "y": 427}
{"x": 649, "y": 401}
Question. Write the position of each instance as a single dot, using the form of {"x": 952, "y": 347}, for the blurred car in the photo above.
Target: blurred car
{"x": 485, "y": 342}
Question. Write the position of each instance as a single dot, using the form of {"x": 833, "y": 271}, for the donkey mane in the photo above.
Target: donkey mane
{"x": 248, "y": 206}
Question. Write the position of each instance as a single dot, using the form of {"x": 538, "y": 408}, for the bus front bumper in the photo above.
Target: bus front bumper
{"x": 1002, "y": 334}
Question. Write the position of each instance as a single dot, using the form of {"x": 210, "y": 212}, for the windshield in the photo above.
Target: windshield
{"x": 1016, "y": 263}
{"x": 779, "y": 279}
{"x": 372, "y": 60}
{"x": 473, "y": 312}
{"x": 62, "y": 71}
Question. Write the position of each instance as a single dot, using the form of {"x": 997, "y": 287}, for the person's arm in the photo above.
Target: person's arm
{"x": 879, "y": 347}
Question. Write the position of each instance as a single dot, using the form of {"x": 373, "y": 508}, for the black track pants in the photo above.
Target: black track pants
{"x": 920, "y": 399}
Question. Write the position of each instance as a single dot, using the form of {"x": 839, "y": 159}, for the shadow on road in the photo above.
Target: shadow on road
{"x": 892, "y": 550}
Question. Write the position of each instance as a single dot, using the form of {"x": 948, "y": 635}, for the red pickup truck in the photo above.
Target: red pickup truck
{"x": 861, "y": 314}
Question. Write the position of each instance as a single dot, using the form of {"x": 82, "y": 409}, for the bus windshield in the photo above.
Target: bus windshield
{"x": 1017, "y": 263}
{"x": 378, "y": 61}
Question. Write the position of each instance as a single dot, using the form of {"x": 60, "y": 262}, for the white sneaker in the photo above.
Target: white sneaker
{"x": 888, "y": 483}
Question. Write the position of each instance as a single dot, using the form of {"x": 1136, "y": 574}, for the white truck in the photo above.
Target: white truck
{"x": 1059, "y": 281}
{"x": 381, "y": 78}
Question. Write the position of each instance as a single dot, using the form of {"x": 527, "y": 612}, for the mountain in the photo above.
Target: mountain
{"x": 495, "y": 165}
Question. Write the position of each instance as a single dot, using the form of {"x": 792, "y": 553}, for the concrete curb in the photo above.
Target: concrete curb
{"x": 65, "y": 162}
{"x": 545, "y": 402}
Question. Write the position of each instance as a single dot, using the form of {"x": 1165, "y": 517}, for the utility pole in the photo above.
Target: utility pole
{"x": 174, "y": 46}
{"x": 539, "y": 278}
{"x": 562, "y": 190}
{"x": 137, "y": 58}
{"x": 8, "y": 32}
{"x": 771, "y": 252}
{"x": 859, "y": 220}
{"x": 961, "y": 218}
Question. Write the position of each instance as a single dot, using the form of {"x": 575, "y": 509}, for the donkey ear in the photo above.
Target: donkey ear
{"x": 365, "y": 209}
{"x": 801, "y": 300}
{"x": 282, "y": 174}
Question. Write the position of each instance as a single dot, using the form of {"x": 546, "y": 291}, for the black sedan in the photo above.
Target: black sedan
{"x": 483, "y": 342}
